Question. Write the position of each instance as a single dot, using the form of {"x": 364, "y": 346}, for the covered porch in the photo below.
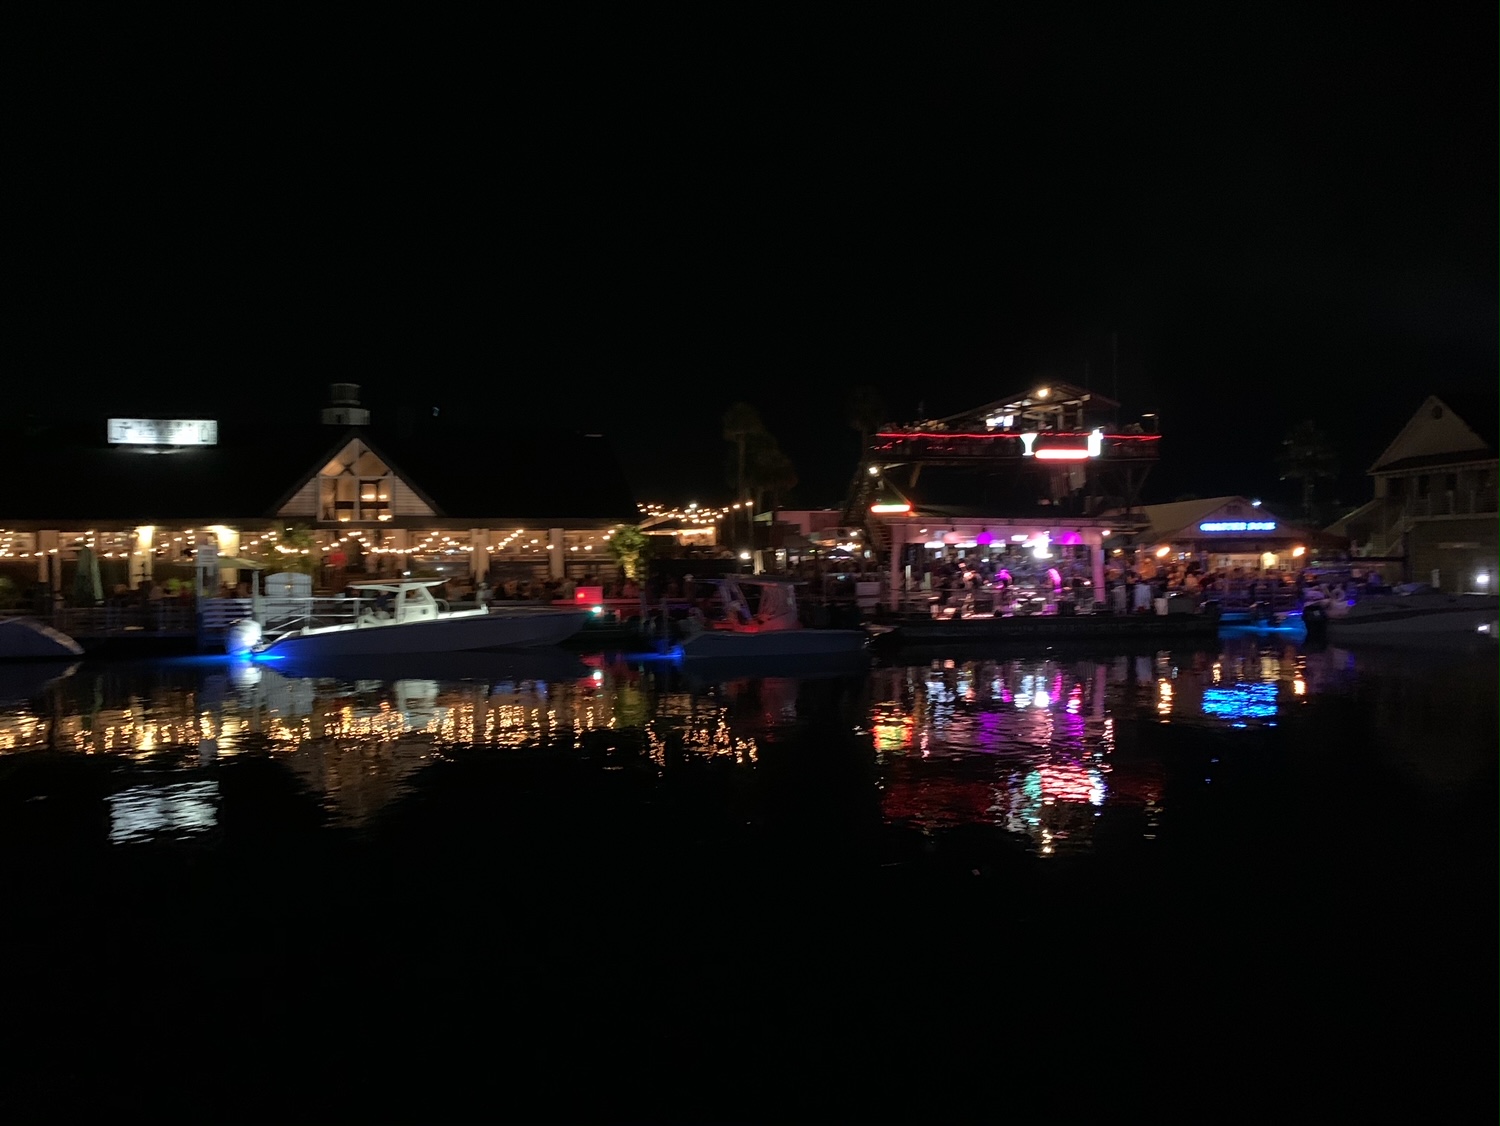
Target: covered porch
{"x": 980, "y": 565}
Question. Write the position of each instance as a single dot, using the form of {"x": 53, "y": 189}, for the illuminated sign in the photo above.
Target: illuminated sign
{"x": 1238, "y": 526}
{"x": 1094, "y": 448}
{"x": 163, "y": 432}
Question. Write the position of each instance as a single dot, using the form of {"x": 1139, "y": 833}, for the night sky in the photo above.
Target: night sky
{"x": 626, "y": 223}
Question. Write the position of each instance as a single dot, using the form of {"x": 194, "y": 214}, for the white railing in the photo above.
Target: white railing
{"x": 280, "y": 616}
{"x": 1467, "y": 503}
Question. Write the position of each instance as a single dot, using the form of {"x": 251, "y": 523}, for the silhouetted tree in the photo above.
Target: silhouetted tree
{"x": 769, "y": 471}
{"x": 742, "y": 423}
{"x": 866, "y": 412}
{"x": 1306, "y": 455}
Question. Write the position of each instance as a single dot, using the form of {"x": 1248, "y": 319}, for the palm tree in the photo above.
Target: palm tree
{"x": 742, "y": 423}
{"x": 778, "y": 475}
{"x": 768, "y": 470}
{"x": 1308, "y": 456}
{"x": 866, "y": 410}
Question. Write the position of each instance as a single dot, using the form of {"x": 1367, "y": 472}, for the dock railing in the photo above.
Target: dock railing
{"x": 103, "y": 621}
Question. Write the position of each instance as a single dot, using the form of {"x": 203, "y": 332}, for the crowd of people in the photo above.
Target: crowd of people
{"x": 1012, "y": 582}
{"x": 1137, "y": 586}
{"x": 541, "y": 590}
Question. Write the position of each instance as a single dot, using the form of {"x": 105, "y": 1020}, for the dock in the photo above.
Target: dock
{"x": 163, "y": 629}
{"x": 925, "y": 630}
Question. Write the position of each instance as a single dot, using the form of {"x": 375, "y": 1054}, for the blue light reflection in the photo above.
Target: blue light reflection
{"x": 1240, "y": 701}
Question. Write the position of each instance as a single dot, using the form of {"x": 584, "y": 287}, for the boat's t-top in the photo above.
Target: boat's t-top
{"x": 397, "y": 600}
{"x": 752, "y": 605}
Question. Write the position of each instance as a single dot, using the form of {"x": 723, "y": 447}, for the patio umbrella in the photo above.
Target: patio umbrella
{"x": 87, "y": 589}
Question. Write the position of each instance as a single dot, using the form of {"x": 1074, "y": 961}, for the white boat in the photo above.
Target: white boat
{"x": 756, "y": 617}
{"x": 1415, "y": 615}
{"x": 398, "y": 616}
{"x": 27, "y": 639}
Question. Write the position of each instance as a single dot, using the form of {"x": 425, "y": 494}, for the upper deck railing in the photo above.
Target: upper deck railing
{"x": 1475, "y": 502}
{"x": 941, "y": 445}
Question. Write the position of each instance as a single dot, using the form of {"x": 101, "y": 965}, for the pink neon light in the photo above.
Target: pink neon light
{"x": 1049, "y": 434}
{"x": 1062, "y": 455}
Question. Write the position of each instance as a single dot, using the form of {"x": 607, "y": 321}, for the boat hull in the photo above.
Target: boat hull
{"x": 27, "y": 639}
{"x": 1416, "y": 620}
{"x": 796, "y": 643}
{"x": 499, "y": 630}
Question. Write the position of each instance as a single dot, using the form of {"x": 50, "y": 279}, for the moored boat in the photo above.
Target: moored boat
{"x": 397, "y": 617}
{"x": 745, "y": 617}
{"x": 1412, "y": 615}
{"x": 27, "y": 639}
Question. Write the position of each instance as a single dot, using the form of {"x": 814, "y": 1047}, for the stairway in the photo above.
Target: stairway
{"x": 858, "y": 498}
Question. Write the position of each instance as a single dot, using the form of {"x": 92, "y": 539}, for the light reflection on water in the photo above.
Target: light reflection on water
{"x": 1030, "y": 745}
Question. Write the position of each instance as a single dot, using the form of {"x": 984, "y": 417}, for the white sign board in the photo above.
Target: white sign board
{"x": 207, "y": 560}
{"x": 163, "y": 432}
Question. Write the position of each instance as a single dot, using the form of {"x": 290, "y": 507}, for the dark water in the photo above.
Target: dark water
{"x": 1195, "y": 884}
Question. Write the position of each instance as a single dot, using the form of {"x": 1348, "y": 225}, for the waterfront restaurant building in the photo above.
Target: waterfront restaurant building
{"x": 1227, "y": 534}
{"x": 147, "y": 495}
{"x": 1035, "y": 482}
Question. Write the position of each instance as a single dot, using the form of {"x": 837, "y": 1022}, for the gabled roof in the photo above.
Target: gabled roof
{"x": 1168, "y": 519}
{"x": 360, "y": 434}
{"x": 1440, "y": 433}
{"x": 1180, "y": 519}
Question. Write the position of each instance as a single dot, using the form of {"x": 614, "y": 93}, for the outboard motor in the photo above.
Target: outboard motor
{"x": 242, "y": 636}
{"x": 1315, "y": 620}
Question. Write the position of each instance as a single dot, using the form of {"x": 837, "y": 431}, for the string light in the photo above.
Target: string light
{"x": 267, "y": 545}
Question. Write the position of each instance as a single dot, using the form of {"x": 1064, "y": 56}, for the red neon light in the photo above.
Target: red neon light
{"x": 1061, "y": 455}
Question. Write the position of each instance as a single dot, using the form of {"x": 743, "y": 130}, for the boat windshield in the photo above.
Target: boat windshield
{"x": 725, "y": 602}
